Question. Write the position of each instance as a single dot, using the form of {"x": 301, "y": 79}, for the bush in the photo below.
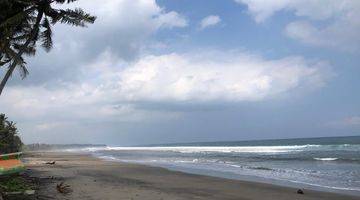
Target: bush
{"x": 10, "y": 142}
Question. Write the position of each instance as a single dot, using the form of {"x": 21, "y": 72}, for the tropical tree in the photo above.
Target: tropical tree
{"x": 9, "y": 140}
{"x": 23, "y": 23}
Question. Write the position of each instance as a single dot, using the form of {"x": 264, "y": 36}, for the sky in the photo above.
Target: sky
{"x": 150, "y": 72}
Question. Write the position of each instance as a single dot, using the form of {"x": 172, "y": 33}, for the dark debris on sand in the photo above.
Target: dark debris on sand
{"x": 300, "y": 191}
{"x": 25, "y": 186}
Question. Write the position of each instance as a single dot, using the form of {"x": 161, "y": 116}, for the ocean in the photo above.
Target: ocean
{"x": 329, "y": 164}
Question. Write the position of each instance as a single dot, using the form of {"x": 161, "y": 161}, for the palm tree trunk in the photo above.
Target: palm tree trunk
{"x": 21, "y": 51}
{"x": 7, "y": 76}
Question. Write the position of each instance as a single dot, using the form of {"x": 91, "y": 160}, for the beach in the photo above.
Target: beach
{"x": 92, "y": 178}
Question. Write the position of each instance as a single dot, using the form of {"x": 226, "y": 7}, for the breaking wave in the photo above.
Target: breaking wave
{"x": 232, "y": 149}
{"x": 326, "y": 159}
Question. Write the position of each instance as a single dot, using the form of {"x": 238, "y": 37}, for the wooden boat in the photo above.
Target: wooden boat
{"x": 11, "y": 163}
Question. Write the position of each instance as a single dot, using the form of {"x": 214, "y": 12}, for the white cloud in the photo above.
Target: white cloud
{"x": 216, "y": 76}
{"x": 131, "y": 13}
{"x": 332, "y": 23}
{"x": 314, "y": 9}
{"x": 171, "y": 19}
{"x": 124, "y": 26}
{"x": 210, "y": 20}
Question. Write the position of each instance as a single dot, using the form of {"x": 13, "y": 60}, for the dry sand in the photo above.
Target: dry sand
{"x": 94, "y": 179}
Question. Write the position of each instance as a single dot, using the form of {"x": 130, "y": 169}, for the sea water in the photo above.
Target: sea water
{"x": 315, "y": 163}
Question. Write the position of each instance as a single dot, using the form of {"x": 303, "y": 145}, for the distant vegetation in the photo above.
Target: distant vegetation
{"x": 9, "y": 140}
{"x": 47, "y": 147}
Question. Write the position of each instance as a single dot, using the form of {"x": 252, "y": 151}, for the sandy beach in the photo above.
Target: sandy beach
{"x": 92, "y": 178}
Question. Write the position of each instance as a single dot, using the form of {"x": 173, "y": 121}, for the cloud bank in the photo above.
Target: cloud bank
{"x": 110, "y": 86}
{"x": 217, "y": 76}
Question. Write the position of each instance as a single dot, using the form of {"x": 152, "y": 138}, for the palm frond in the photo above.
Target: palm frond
{"x": 23, "y": 71}
{"x": 76, "y": 17}
{"x": 17, "y": 18}
{"x": 46, "y": 35}
{"x": 3, "y": 62}
{"x": 30, "y": 50}
{"x": 63, "y": 1}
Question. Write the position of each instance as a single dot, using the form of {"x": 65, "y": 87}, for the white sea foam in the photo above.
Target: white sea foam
{"x": 204, "y": 149}
{"x": 325, "y": 186}
{"x": 326, "y": 159}
{"x": 110, "y": 158}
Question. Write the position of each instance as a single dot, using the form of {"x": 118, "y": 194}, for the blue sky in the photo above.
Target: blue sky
{"x": 182, "y": 71}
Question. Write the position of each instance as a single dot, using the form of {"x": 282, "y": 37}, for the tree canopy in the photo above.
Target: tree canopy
{"x": 24, "y": 23}
{"x": 9, "y": 140}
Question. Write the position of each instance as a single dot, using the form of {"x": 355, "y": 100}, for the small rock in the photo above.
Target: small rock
{"x": 300, "y": 191}
{"x": 29, "y": 192}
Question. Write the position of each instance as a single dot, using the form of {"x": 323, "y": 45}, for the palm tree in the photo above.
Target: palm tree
{"x": 14, "y": 27}
{"x": 9, "y": 140}
{"x": 24, "y": 23}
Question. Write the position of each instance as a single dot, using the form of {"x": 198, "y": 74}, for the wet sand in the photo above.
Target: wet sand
{"x": 95, "y": 179}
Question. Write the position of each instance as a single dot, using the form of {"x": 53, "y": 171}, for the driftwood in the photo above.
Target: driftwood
{"x": 62, "y": 188}
{"x": 51, "y": 163}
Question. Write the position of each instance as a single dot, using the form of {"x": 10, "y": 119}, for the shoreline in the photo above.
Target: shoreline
{"x": 236, "y": 176}
{"x": 258, "y": 179}
{"x": 92, "y": 178}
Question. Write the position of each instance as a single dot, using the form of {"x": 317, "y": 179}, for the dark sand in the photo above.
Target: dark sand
{"x": 94, "y": 179}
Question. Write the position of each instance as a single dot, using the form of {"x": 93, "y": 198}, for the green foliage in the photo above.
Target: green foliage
{"x": 15, "y": 184}
{"x": 13, "y": 30}
{"x": 10, "y": 142}
{"x": 23, "y": 23}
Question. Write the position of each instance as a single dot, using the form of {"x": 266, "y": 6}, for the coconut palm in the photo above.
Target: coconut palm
{"x": 9, "y": 140}
{"x": 26, "y": 22}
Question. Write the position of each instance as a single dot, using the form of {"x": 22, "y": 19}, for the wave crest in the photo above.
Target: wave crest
{"x": 326, "y": 159}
